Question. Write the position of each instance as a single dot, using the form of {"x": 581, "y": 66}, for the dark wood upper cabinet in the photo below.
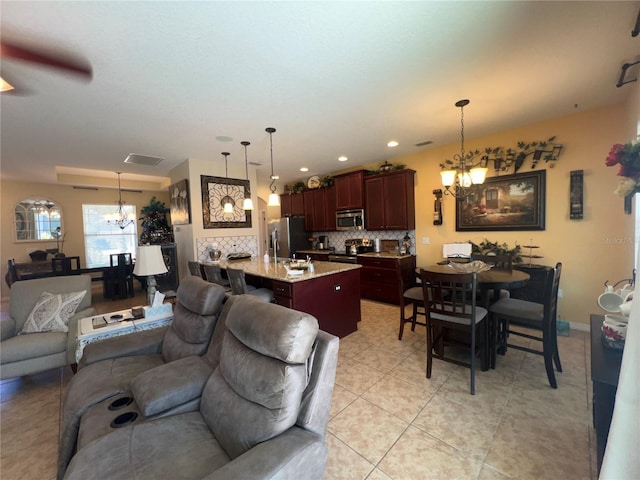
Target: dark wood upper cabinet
{"x": 309, "y": 210}
{"x": 350, "y": 190}
{"x": 390, "y": 201}
{"x": 291, "y": 204}
{"x": 319, "y": 209}
{"x": 285, "y": 205}
{"x": 330, "y": 209}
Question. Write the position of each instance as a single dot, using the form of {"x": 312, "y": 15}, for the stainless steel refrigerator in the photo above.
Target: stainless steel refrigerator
{"x": 289, "y": 236}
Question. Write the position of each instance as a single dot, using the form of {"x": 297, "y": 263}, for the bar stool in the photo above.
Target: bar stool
{"x": 239, "y": 286}
{"x": 213, "y": 274}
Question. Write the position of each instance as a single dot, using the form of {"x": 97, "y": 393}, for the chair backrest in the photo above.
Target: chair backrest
{"x": 198, "y": 305}
{"x": 552, "y": 284}
{"x": 267, "y": 364}
{"x": 118, "y": 259}
{"x": 237, "y": 281}
{"x": 450, "y": 294}
{"x": 13, "y": 275}
{"x": 65, "y": 265}
{"x": 213, "y": 273}
{"x": 194, "y": 269}
{"x": 504, "y": 262}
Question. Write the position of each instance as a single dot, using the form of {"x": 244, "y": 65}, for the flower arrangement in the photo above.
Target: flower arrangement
{"x": 628, "y": 157}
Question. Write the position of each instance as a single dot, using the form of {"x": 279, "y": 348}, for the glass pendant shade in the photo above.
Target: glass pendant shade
{"x": 478, "y": 175}
{"x": 448, "y": 177}
{"x": 228, "y": 208}
{"x": 274, "y": 200}
{"x": 247, "y": 204}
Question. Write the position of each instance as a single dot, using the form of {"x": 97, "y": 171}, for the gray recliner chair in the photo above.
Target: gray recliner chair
{"x": 107, "y": 368}
{"x": 263, "y": 411}
{"x": 38, "y": 352}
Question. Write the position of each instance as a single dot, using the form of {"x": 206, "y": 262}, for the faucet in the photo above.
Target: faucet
{"x": 274, "y": 242}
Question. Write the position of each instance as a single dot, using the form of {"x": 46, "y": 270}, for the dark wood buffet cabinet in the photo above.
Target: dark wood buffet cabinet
{"x": 379, "y": 276}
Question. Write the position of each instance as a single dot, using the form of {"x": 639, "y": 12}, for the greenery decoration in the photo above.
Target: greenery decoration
{"x": 155, "y": 229}
{"x": 487, "y": 247}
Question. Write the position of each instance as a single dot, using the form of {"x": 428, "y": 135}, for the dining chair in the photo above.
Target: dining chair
{"x": 410, "y": 295}
{"x": 531, "y": 315}
{"x": 118, "y": 278}
{"x": 194, "y": 269}
{"x": 239, "y": 286}
{"x": 65, "y": 265}
{"x": 120, "y": 259}
{"x": 451, "y": 308}
{"x": 213, "y": 274}
{"x": 504, "y": 262}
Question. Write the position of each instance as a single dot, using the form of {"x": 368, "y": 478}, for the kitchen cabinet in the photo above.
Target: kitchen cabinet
{"x": 379, "y": 276}
{"x": 350, "y": 190}
{"x": 390, "y": 201}
{"x": 319, "y": 209}
{"x": 309, "y": 210}
{"x": 291, "y": 204}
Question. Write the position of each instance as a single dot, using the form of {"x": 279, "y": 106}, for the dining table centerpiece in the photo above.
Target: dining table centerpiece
{"x": 627, "y": 156}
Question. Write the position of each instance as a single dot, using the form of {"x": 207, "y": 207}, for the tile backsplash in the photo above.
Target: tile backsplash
{"x": 337, "y": 239}
{"x": 233, "y": 244}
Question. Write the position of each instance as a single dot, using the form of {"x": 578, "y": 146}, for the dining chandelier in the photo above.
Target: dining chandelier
{"x": 247, "y": 204}
{"x": 120, "y": 217}
{"x": 274, "y": 198}
{"x": 459, "y": 179}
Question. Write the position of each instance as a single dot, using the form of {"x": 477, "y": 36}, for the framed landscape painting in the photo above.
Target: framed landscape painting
{"x": 509, "y": 202}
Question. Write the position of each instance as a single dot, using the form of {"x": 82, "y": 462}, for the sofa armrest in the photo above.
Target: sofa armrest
{"x": 296, "y": 453}
{"x": 7, "y": 328}
{"x": 146, "y": 342}
{"x": 72, "y": 335}
{"x": 170, "y": 385}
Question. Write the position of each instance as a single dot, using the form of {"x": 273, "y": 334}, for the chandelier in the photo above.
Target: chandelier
{"x": 274, "y": 198}
{"x": 120, "y": 217}
{"x": 457, "y": 180}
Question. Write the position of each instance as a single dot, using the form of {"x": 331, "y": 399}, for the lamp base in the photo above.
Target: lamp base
{"x": 152, "y": 288}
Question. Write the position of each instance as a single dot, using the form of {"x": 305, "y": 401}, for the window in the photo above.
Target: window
{"x": 101, "y": 239}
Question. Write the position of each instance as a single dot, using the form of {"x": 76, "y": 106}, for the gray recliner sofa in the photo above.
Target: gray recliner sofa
{"x": 37, "y": 352}
{"x": 263, "y": 412}
{"x": 108, "y": 368}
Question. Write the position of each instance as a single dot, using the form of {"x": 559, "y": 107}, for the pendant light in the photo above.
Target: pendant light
{"x": 227, "y": 201}
{"x": 120, "y": 217}
{"x": 247, "y": 204}
{"x": 458, "y": 180}
{"x": 274, "y": 198}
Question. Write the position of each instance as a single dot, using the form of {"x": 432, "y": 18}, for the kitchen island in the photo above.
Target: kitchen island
{"x": 331, "y": 293}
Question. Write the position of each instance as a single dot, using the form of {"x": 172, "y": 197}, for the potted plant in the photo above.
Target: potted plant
{"x": 155, "y": 229}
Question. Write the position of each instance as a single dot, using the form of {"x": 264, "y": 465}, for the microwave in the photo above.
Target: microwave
{"x": 350, "y": 220}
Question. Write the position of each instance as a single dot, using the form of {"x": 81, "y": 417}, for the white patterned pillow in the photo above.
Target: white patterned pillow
{"x": 52, "y": 312}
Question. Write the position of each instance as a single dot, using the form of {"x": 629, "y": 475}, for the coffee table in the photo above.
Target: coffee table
{"x": 114, "y": 324}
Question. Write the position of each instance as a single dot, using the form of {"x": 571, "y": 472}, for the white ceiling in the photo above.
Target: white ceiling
{"x": 334, "y": 78}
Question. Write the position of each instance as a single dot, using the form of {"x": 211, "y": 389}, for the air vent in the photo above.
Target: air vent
{"x": 255, "y": 164}
{"x": 142, "y": 159}
{"x": 424, "y": 144}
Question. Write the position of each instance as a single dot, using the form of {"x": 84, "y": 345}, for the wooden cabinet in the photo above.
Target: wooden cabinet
{"x": 390, "y": 201}
{"x": 605, "y": 370}
{"x": 317, "y": 257}
{"x": 350, "y": 190}
{"x": 291, "y": 204}
{"x": 379, "y": 277}
{"x": 319, "y": 209}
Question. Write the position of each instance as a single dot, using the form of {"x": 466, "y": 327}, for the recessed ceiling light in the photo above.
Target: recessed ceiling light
{"x": 392, "y": 143}
{"x": 304, "y": 169}
{"x": 343, "y": 158}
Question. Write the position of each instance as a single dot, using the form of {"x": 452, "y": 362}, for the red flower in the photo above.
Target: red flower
{"x": 614, "y": 155}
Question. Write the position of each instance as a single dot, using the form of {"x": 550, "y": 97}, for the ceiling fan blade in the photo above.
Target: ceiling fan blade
{"x": 49, "y": 58}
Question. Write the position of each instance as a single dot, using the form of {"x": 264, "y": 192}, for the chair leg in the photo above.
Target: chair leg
{"x": 414, "y": 316}
{"x": 472, "y": 366}
{"x": 401, "y": 330}
{"x": 556, "y": 359}
{"x": 548, "y": 352}
{"x": 429, "y": 349}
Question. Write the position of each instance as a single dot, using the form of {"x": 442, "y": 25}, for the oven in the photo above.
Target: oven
{"x": 350, "y": 220}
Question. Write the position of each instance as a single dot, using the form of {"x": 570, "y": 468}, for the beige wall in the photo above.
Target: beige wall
{"x": 70, "y": 200}
{"x": 597, "y": 248}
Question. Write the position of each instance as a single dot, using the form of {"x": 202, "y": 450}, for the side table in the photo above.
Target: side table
{"x": 605, "y": 370}
{"x": 88, "y": 333}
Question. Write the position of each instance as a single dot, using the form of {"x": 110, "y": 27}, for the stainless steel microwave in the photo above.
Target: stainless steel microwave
{"x": 350, "y": 220}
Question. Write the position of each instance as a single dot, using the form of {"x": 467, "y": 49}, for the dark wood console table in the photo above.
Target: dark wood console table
{"x": 605, "y": 370}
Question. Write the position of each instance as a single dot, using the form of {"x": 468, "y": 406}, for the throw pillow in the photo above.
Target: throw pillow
{"x": 52, "y": 312}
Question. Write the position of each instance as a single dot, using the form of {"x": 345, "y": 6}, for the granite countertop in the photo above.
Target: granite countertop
{"x": 277, "y": 271}
{"x": 384, "y": 255}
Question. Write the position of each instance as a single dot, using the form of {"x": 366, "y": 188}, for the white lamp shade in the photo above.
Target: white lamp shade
{"x": 247, "y": 204}
{"x": 448, "y": 177}
{"x": 149, "y": 261}
{"x": 228, "y": 208}
{"x": 465, "y": 179}
{"x": 478, "y": 174}
{"x": 274, "y": 200}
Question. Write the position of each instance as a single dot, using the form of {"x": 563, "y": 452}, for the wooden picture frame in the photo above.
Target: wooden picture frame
{"x": 214, "y": 189}
{"x": 504, "y": 203}
{"x": 180, "y": 204}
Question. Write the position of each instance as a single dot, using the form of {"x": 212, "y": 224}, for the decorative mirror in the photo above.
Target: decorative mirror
{"x": 37, "y": 219}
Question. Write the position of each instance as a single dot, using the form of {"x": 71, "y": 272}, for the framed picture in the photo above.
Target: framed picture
{"x": 180, "y": 205}
{"x": 509, "y": 202}
{"x": 216, "y": 191}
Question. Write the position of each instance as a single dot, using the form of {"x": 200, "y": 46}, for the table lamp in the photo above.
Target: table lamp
{"x": 149, "y": 262}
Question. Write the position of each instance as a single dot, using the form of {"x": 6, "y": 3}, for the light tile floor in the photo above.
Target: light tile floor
{"x": 387, "y": 420}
